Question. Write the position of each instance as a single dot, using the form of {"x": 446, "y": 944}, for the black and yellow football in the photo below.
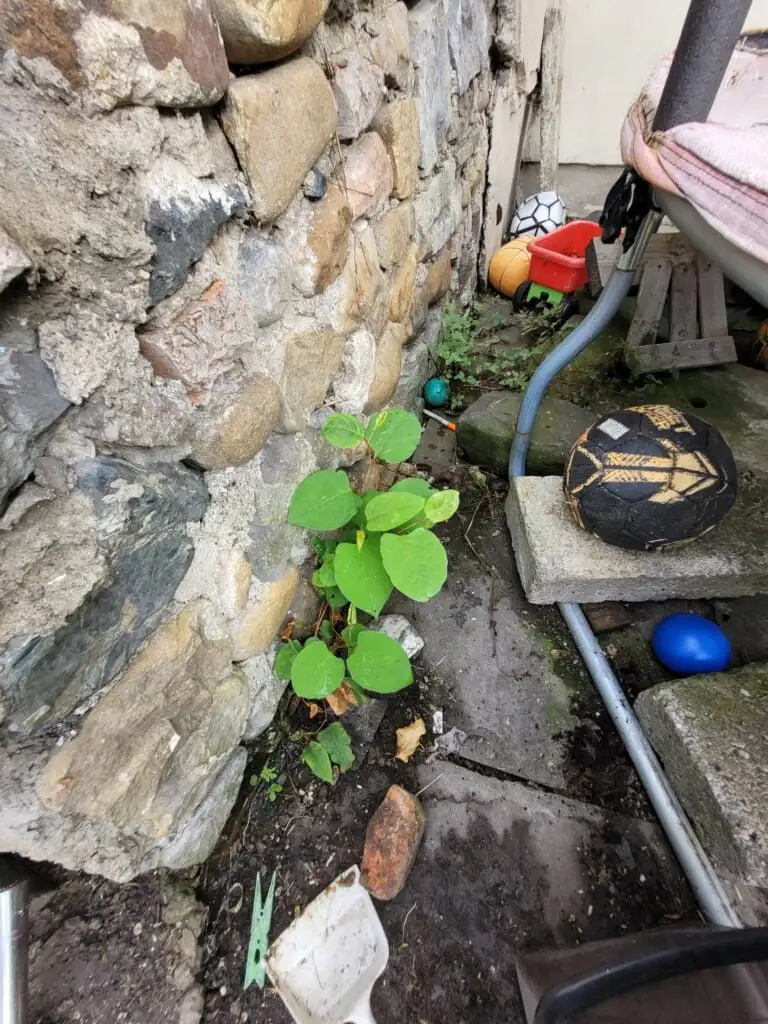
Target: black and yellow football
{"x": 649, "y": 477}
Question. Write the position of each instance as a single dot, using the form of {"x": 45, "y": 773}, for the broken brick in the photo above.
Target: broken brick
{"x": 391, "y": 842}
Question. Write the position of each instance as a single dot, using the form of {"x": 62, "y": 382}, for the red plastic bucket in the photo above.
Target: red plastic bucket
{"x": 558, "y": 260}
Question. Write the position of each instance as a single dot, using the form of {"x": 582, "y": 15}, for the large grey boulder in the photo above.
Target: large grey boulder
{"x": 486, "y": 429}
{"x": 711, "y": 732}
{"x": 85, "y": 577}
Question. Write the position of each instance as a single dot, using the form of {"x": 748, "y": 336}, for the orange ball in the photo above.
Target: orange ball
{"x": 510, "y": 267}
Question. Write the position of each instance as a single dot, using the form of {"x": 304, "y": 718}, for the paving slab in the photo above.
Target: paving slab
{"x": 505, "y": 868}
{"x": 711, "y": 733}
{"x": 488, "y": 666}
{"x": 558, "y": 561}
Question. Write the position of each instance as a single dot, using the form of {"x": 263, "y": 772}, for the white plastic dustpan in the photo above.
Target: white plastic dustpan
{"x": 325, "y": 964}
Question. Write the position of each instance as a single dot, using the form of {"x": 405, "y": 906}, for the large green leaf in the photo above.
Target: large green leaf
{"x": 316, "y": 672}
{"x": 378, "y": 663}
{"x": 324, "y": 501}
{"x": 285, "y": 659}
{"x": 325, "y": 576}
{"x": 361, "y": 577}
{"x": 337, "y": 742}
{"x": 388, "y": 511}
{"x": 413, "y": 485}
{"x": 316, "y": 758}
{"x": 441, "y": 506}
{"x": 393, "y": 434}
{"x": 368, "y": 497}
{"x": 343, "y": 430}
{"x": 415, "y": 562}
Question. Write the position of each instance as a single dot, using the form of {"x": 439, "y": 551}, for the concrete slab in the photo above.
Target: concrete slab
{"x": 489, "y": 668}
{"x": 711, "y": 732}
{"x": 573, "y": 871}
{"x": 557, "y": 561}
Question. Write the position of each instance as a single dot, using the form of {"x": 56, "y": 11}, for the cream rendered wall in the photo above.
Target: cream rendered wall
{"x": 610, "y": 48}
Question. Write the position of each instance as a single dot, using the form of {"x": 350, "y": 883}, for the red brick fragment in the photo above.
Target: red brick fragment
{"x": 391, "y": 841}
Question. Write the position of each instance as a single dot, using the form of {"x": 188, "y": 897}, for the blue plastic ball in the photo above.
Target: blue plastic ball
{"x": 437, "y": 392}
{"x": 689, "y": 644}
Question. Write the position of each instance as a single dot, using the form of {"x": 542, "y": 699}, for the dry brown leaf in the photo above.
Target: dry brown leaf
{"x": 314, "y": 709}
{"x": 341, "y": 700}
{"x": 408, "y": 739}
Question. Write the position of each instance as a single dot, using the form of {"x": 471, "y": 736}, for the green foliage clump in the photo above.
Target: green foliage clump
{"x": 382, "y": 541}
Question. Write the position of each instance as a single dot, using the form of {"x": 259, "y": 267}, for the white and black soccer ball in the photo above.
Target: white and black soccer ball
{"x": 538, "y": 215}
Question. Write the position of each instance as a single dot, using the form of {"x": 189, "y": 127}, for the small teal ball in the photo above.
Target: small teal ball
{"x": 689, "y": 644}
{"x": 437, "y": 392}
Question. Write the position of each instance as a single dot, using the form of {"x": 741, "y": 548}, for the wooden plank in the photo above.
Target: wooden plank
{"x": 650, "y": 302}
{"x": 602, "y": 258}
{"x": 683, "y": 355}
{"x": 683, "y": 322}
{"x": 712, "y": 310}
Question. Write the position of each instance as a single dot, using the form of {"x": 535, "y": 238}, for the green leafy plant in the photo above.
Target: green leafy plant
{"x": 332, "y": 746}
{"x": 383, "y": 540}
{"x": 268, "y": 776}
{"x": 472, "y": 352}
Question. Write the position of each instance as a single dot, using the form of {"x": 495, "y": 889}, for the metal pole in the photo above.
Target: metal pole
{"x": 13, "y": 952}
{"x": 683, "y": 840}
{"x": 710, "y": 32}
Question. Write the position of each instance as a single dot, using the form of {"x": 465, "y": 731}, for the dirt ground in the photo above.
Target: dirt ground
{"x": 508, "y": 864}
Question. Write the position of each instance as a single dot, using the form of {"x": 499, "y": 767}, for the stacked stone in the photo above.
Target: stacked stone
{"x": 219, "y": 220}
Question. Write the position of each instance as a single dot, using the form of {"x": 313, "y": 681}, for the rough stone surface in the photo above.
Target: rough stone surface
{"x": 259, "y": 623}
{"x": 317, "y": 235}
{"x": 239, "y": 420}
{"x": 469, "y": 39}
{"x": 439, "y": 277}
{"x": 243, "y": 283}
{"x": 414, "y": 375}
{"x": 86, "y": 577}
{"x": 438, "y": 211}
{"x": 398, "y": 125}
{"x": 117, "y": 53}
{"x": 391, "y": 843}
{"x": 279, "y": 122}
{"x": 358, "y": 87}
{"x": 403, "y": 284}
{"x": 184, "y": 214}
{"x": 367, "y": 178}
{"x": 351, "y": 387}
{"x": 394, "y": 231}
{"x": 146, "y": 753}
{"x": 389, "y": 46}
{"x": 429, "y": 52}
{"x": 256, "y": 31}
{"x": 558, "y": 561}
{"x": 389, "y": 364}
{"x": 486, "y": 429}
{"x": 13, "y": 260}
{"x": 400, "y": 629}
{"x": 307, "y": 344}
{"x": 265, "y": 691}
{"x": 711, "y": 733}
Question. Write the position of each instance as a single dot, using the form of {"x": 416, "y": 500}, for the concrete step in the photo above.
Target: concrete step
{"x": 711, "y": 733}
{"x": 558, "y": 561}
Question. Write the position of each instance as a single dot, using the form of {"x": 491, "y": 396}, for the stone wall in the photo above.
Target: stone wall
{"x": 219, "y": 220}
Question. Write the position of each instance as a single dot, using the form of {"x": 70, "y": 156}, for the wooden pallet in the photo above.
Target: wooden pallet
{"x": 671, "y": 269}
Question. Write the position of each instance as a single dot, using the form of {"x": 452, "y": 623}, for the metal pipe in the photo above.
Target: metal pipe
{"x": 705, "y": 884}
{"x": 13, "y": 952}
{"x": 710, "y": 33}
